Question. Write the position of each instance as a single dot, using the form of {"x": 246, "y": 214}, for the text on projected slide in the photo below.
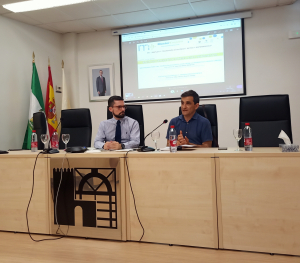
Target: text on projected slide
{"x": 185, "y": 61}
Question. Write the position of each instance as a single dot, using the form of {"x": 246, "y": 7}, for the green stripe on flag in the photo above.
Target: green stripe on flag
{"x": 36, "y": 87}
{"x": 36, "y": 105}
{"x": 27, "y": 139}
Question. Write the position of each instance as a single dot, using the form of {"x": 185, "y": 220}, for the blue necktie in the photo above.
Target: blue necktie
{"x": 118, "y": 132}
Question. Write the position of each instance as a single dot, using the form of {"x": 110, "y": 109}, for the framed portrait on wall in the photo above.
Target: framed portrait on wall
{"x": 101, "y": 82}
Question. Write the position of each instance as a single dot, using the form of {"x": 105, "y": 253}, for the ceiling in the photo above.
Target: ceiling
{"x": 111, "y": 14}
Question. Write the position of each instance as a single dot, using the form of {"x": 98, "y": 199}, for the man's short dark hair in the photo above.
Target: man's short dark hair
{"x": 191, "y": 93}
{"x": 111, "y": 100}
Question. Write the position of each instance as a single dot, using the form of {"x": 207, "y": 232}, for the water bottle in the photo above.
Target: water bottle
{"x": 173, "y": 139}
{"x": 248, "y": 138}
{"x": 54, "y": 141}
{"x": 34, "y": 141}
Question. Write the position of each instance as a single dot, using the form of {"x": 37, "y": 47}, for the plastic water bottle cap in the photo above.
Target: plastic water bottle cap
{"x": 247, "y": 124}
{"x": 172, "y": 126}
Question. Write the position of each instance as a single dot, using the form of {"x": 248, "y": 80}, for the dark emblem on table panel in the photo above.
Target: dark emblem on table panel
{"x": 91, "y": 189}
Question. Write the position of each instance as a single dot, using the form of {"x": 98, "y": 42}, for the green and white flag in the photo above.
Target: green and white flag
{"x": 36, "y": 105}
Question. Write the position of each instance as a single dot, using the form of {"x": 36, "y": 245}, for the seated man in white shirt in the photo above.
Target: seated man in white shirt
{"x": 119, "y": 132}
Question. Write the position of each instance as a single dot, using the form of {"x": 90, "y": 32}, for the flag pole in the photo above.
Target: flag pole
{"x": 62, "y": 64}
{"x": 33, "y": 57}
{"x": 48, "y": 62}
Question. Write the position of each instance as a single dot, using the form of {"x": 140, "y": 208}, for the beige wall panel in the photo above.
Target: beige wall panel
{"x": 219, "y": 202}
{"x": 175, "y": 200}
{"x": 260, "y": 208}
{"x": 15, "y": 189}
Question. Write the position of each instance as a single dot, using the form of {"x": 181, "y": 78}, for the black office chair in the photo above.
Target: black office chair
{"x": 40, "y": 125}
{"x": 77, "y": 123}
{"x": 267, "y": 115}
{"x": 134, "y": 112}
{"x": 209, "y": 111}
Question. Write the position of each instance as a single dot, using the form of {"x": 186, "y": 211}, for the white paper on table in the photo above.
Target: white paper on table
{"x": 124, "y": 150}
{"x": 165, "y": 148}
{"x": 93, "y": 150}
{"x": 189, "y": 146}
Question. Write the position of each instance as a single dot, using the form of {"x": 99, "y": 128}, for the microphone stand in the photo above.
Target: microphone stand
{"x": 146, "y": 148}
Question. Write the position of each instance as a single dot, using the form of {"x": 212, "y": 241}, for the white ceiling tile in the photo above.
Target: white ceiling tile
{"x": 174, "y": 12}
{"x": 103, "y": 22}
{"x": 47, "y": 16}
{"x": 22, "y": 18}
{"x": 137, "y": 18}
{"x": 3, "y": 10}
{"x": 213, "y": 7}
{"x": 4, "y": 2}
{"x": 83, "y": 10}
{"x": 96, "y": 15}
{"x": 72, "y": 26}
{"x": 286, "y": 2}
{"x": 254, "y": 4}
{"x": 163, "y": 3}
{"x": 49, "y": 27}
{"x": 121, "y": 6}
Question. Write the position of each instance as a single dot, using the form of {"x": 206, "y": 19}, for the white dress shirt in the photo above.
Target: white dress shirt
{"x": 130, "y": 132}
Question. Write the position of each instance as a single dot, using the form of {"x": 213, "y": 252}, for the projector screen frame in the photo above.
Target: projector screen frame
{"x": 201, "y": 97}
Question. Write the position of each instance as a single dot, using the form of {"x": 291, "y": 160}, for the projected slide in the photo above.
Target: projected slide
{"x": 184, "y": 61}
{"x": 161, "y": 64}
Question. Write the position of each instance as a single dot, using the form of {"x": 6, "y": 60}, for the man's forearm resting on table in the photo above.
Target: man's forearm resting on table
{"x": 99, "y": 144}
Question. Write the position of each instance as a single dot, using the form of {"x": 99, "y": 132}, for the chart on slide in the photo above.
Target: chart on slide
{"x": 184, "y": 61}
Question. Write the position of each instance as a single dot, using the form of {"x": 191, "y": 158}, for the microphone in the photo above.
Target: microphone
{"x": 146, "y": 148}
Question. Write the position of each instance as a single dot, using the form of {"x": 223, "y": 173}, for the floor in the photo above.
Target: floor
{"x": 20, "y": 248}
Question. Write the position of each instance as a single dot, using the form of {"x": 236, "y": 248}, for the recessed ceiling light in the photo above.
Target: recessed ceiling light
{"x": 32, "y": 5}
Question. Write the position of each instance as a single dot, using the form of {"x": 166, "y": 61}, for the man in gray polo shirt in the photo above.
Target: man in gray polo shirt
{"x": 119, "y": 132}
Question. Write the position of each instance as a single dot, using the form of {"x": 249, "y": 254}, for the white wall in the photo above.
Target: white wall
{"x": 70, "y": 57}
{"x": 272, "y": 67}
{"x": 17, "y": 42}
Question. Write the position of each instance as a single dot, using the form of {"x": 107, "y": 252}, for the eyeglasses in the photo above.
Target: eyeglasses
{"x": 120, "y": 107}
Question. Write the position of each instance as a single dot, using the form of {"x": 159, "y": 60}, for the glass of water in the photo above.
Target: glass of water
{"x": 44, "y": 139}
{"x": 65, "y": 138}
{"x": 155, "y": 136}
{"x": 238, "y": 134}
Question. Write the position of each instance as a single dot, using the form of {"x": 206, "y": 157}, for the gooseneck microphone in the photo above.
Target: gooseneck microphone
{"x": 165, "y": 121}
{"x": 146, "y": 148}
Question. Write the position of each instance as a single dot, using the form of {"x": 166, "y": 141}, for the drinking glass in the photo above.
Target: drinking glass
{"x": 238, "y": 134}
{"x": 155, "y": 136}
{"x": 65, "y": 138}
{"x": 44, "y": 139}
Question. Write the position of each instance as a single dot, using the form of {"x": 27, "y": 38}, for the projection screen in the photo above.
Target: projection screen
{"x": 161, "y": 64}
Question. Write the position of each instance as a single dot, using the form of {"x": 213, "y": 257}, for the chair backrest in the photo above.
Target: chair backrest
{"x": 211, "y": 113}
{"x": 77, "y": 123}
{"x": 40, "y": 125}
{"x": 134, "y": 112}
{"x": 267, "y": 115}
